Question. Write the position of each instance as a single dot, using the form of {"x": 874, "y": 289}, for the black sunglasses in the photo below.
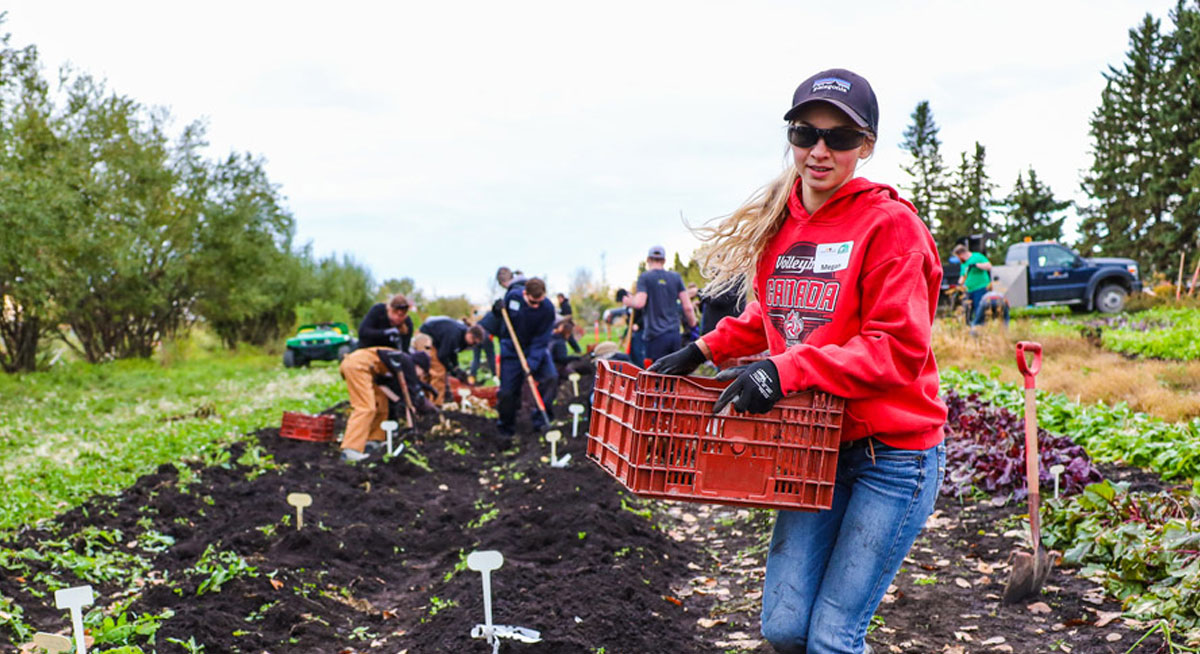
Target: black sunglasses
{"x": 838, "y": 138}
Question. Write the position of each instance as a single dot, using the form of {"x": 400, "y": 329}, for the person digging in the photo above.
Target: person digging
{"x": 449, "y": 338}
{"x": 527, "y": 321}
{"x": 374, "y": 376}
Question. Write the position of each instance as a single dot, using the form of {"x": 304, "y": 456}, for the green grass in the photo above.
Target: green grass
{"x": 82, "y": 429}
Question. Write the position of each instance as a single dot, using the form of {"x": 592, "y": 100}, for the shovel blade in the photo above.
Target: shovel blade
{"x": 1028, "y": 573}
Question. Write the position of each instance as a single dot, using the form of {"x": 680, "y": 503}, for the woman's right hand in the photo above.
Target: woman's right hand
{"x": 679, "y": 362}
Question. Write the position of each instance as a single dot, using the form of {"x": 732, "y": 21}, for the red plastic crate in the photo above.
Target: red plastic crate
{"x": 304, "y": 427}
{"x": 746, "y": 360}
{"x": 656, "y": 434}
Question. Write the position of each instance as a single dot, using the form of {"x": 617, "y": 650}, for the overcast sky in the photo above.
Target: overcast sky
{"x": 438, "y": 140}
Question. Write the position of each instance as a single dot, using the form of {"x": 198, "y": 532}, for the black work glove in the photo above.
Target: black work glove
{"x": 393, "y": 335}
{"x": 679, "y": 362}
{"x": 460, "y": 375}
{"x": 756, "y": 389}
{"x": 498, "y": 306}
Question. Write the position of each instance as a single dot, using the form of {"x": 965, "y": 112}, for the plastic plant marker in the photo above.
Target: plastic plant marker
{"x": 483, "y": 563}
{"x": 75, "y": 599}
{"x": 576, "y": 410}
{"x": 464, "y": 393}
{"x": 553, "y": 436}
{"x": 1056, "y": 470}
{"x": 52, "y": 643}
{"x": 574, "y": 377}
{"x": 299, "y": 500}
{"x": 390, "y": 426}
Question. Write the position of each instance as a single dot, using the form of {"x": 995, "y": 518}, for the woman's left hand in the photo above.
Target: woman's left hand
{"x": 756, "y": 389}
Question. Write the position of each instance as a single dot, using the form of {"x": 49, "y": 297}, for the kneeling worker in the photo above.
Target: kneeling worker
{"x": 449, "y": 338}
{"x": 369, "y": 400}
{"x": 532, "y": 317}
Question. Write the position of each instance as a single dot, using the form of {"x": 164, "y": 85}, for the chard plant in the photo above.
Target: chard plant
{"x": 1143, "y": 548}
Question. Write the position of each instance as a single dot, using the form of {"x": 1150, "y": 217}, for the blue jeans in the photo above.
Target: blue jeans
{"x": 828, "y": 571}
{"x": 637, "y": 348}
{"x": 974, "y": 314}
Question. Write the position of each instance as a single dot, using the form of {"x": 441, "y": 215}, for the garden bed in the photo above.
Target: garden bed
{"x": 210, "y": 560}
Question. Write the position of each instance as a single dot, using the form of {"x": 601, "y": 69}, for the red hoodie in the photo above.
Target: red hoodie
{"x": 846, "y": 302}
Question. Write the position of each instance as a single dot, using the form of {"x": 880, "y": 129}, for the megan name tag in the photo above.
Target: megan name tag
{"x": 831, "y": 257}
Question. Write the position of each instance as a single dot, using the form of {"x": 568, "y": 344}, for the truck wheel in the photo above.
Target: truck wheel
{"x": 1111, "y": 299}
{"x": 289, "y": 359}
{"x": 342, "y": 352}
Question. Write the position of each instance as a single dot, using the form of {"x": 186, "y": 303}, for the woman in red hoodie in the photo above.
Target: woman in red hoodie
{"x": 846, "y": 278}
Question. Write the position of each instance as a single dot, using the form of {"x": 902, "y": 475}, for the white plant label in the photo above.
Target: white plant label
{"x": 299, "y": 500}
{"x": 483, "y": 563}
{"x": 389, "y": 426}
{"x": 74, "y": 599}
{"x": 576, "y": 410}
{"x": 52, "y": 643}
{"x": 574, "y": 377}
{"x": 464, "y": 393}
{"x": 1056, "y": 470}
{"x": 553, "y": 436}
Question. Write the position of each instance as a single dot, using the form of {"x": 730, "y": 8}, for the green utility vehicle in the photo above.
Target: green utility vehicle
{"x": 325, "y": 341}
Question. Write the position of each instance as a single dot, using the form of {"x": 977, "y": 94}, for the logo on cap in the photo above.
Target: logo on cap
{"x": 831, "y": 84}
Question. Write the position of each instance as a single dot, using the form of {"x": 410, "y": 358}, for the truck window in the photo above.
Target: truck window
{"x": 1052, "y": 256}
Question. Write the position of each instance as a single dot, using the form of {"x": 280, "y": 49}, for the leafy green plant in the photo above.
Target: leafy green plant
{"x": 121, "y": 629}
{"x": 437, "y": 604}
{"x": 1143, "y": 548}
{"x": 489, "y": 513}
{"x": 219, "y": 568}
{"x": 1173, "y": 335}
{"x": 12, "y": 618}
{"x": 416, "y": 458}
{"x": 190, "y": 645}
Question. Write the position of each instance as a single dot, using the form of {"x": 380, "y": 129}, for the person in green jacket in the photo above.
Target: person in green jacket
{"x": 975, "y": 277}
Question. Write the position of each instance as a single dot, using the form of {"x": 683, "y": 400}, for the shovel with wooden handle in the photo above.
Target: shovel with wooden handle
{"x": 537, "y": 396}
{"x": 1029, "y": 571}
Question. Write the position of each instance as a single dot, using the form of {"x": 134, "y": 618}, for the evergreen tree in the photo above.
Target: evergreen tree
{"x": 1126, "y": 176}
{"x": 1030, "y": 212}
{"x": 968, "y": 204}
{"x": 1180, "y": 118}
{"x": 928, "y": 172}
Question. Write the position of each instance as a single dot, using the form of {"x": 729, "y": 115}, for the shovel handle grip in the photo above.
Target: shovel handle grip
{"x": 1029, "y": 370}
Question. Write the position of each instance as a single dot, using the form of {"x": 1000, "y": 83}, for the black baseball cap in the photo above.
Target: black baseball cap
{"x": 843, "y": 89}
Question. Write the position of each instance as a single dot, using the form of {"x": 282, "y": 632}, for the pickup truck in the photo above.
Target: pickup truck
{"x": 1047, "y": 273}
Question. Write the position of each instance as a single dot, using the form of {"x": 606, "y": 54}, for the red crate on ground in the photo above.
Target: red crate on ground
{"x": 304, "y": 427}
{"x": 656, "y": 434}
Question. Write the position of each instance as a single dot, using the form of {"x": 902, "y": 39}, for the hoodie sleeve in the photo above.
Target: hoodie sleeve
{"x": 740, "y": 336}
{"x": 892, "y": 346}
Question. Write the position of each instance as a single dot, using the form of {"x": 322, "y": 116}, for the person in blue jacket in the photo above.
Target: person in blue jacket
{"x": 532, "y": 316}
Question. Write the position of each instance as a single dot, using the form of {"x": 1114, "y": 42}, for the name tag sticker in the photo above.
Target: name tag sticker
{"x": 831, "y": 257}
{"x": 514, "y": 305}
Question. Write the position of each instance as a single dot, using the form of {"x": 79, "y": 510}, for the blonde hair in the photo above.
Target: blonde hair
{"x": 732, "y": 247}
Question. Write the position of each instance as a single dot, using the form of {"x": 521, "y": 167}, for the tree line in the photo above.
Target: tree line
{"x": 1143, "y": 186}
{"x": 115, "y": 235}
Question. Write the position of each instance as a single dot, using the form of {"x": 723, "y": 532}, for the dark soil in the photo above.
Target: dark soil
{"x": 380, "y": 563}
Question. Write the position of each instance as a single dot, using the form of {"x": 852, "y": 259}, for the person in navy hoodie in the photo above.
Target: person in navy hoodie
{"x": 532, "y": 316}
{"x": 846, "y": 278}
